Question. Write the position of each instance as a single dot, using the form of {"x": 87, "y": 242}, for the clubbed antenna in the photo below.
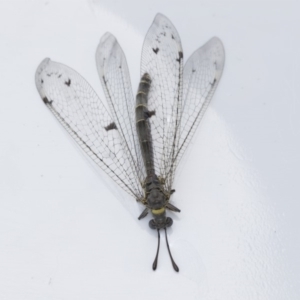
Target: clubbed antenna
{"x": 172, "y": 260}
{"x": 154, "y": 266}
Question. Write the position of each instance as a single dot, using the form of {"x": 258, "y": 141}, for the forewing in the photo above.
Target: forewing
{"x": 201, "y": 75}
{"x": 114, "y": 76}
{"x": 162, "y": 59}
{"x": 77, "y": 107}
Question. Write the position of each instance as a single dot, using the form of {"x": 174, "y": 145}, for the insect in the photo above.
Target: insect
{"x": 138, "y": 141}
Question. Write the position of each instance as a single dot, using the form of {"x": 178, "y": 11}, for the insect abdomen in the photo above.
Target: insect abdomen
{"x": 142, "y": 123}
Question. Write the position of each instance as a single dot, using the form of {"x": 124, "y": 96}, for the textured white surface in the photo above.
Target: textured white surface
{"x": 64, "y": 231}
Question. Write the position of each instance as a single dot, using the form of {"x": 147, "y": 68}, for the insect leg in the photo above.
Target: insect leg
{"x": 172, "y": 207}
{"x": 144, "y": 213}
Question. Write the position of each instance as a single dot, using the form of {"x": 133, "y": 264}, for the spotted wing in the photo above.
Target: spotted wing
{"x": 201, "y": 75}
{"x": 178, "y": 96}
{"x": 77, "y": 107}
{"x": 114, "y": 76}
{"x": 162, "y": 59}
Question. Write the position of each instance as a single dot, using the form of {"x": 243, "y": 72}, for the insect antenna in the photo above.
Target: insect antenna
{"x": 154, "y": 266}
{"x": 172, "y": 260}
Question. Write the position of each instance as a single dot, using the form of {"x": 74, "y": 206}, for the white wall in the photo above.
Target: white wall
{"x": 65, "y": 233}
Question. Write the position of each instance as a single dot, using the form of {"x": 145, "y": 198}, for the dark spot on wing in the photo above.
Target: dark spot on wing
{"x": 149, "y": 113}
{"x": 46, "y": 101}
{"x": 155, "y": 50}
{"x": 163, "y": 33}
{"x": 180, "y": 56}
{"x": 68, "y": 83}
{"x": 193, "y": 70}
{"x": 59, "y": 76}
{"x": 120, "y": 67}
{"x": 213, "y": 83}
{"x": 42, "y": 81}
{"x": 49, "y": 74}
{"x": 111, "y": 126}
{"x": 173, "y": 37}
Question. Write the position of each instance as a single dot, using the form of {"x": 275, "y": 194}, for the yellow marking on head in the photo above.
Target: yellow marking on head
{"x": 158, "y": 211}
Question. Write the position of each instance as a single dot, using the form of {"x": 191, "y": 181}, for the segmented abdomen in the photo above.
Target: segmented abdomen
{"x": 143, "y": 125}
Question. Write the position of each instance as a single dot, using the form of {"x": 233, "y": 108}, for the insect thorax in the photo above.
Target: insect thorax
{"x": 155, "y": 195}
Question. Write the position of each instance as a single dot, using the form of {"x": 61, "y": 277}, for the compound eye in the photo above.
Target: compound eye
{"x": 152, "y": 224}
{"x": 169, "y": 222}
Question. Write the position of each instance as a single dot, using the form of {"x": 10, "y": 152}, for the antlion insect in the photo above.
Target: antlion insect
{"x": 138, "y": 143}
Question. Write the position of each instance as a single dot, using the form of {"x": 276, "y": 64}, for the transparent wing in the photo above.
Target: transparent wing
{"x": 201, "y": 75}
{"x": 77, "y": 107}
{"x": 114, "y": 76}
{"x": 162, "y": 59}
{"x": 178, "y": 97}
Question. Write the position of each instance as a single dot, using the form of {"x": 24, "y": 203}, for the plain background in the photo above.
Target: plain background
{"x": 67, "y": 233}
